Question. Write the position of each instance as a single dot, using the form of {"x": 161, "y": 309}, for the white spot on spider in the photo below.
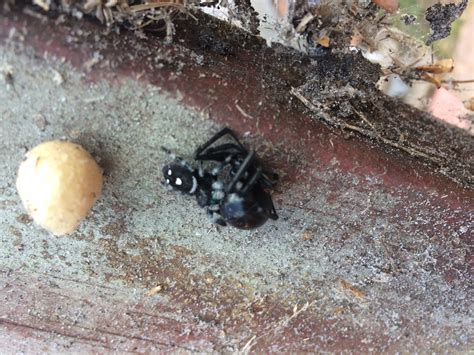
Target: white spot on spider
{"x": 238, "y": 186}
{"x": 168, "y": 181}
{"x": 218, "y": 195}
{"x": 170, "y": 172}
{"x": 217, "y": 185}
{"x": 178, "y": 181}
{"x": 234, "y": 198}
{"x": 195, "y": 185}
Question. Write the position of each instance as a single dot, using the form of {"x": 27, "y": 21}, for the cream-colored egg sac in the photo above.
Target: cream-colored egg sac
{"x": 58, "y": 183}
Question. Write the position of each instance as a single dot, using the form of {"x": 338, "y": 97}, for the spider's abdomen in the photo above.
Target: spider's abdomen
{"x": 243, "y": 213}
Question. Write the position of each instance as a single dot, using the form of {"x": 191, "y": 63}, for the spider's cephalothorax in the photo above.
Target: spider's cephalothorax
{"x": 235, "y": 191}
{"x": 181, "y": 176}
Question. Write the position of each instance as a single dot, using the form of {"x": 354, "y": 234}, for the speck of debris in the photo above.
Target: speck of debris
{"x": 57, "y": 77}
{"x": 7, "y": 72}
{"x": 441, "y": 17}
{"x": 408, "y": 19}
{"x": 40, "y": 122}
{"x": 96, "y": 58}
{"x": 24, "y": 218}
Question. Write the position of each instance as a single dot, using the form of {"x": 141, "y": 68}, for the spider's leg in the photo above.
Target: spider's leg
{"x": 269, "y": 179}
{"x": 220, "y": 152}
{"x": 266, "y": 202}
{"x": 203, "y": 198}
{"x": 217, "y": 195}
{"x": 252, "y": 181}
{"x": 177, "y": 158}
{"x": 218, "y": 169}
{"x": 217, "y": 136}
{"x": 215, "y": 217}
{"x": 213, "y": 208}
{"x": 272, "y": 213}
{"x": 227, "y": 152}
{"x": 167, "y": 151}
{"x": 242, "y": 170}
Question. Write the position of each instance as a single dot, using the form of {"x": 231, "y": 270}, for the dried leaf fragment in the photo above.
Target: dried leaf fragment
{"x": 441, "y": 67}
{"x": 431, "y": 79}
{"x": 324, "y": 41}
{"x": 355, "y": 291}
{"x": 304, "y": 22}
{"x": 469, "y": 104}
{"x": 153, "y": 291}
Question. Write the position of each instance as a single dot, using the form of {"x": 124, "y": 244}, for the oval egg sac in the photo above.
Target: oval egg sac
{"x": 58, "y": 183}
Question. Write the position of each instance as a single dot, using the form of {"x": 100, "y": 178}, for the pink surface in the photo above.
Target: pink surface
{"x": 447, "y": 107}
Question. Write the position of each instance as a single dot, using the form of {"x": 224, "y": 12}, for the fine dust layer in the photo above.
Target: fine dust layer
{"x": 350, "y": 264}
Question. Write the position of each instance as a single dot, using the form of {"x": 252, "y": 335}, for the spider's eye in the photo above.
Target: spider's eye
{"x": 168, "y": 181}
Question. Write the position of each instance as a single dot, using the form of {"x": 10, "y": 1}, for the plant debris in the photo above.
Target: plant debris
{"x": 245, "y": 13}
{"x": 135, "y": 15}
{"x": 344, "y": 95}
{"x": 153, "y": 291}
{"x": 353, "y": 290}
{"x": 8, "y": 76}
{"x": 337, "y": 21}
{"x": 441, "y": 17}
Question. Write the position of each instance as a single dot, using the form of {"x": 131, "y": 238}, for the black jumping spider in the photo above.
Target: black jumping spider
{"x": 234, "y": 192}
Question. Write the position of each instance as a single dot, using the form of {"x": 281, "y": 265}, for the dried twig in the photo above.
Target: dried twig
{"x": 279, "y": 325}
{"x": 412, "y": 150}
{"x": 157, "y": 4}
